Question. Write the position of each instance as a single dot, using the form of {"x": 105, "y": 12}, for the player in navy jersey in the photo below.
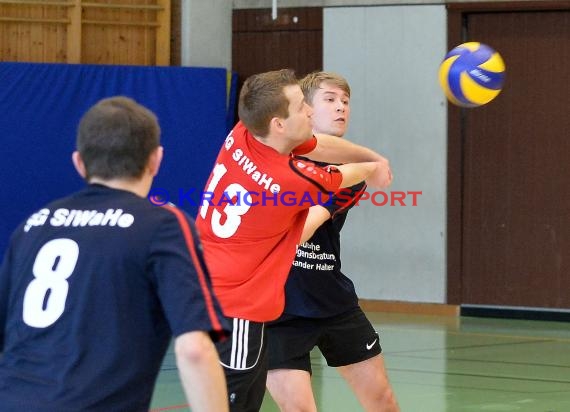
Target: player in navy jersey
{"x": 250, "y": 239}
{"x": 94, "y": 285}
{"x": 321, "y": 305}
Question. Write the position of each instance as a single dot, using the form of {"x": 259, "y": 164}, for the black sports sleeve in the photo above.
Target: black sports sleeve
{"x": 344, "y": 199}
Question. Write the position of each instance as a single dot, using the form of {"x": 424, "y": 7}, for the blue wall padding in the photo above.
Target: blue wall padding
{"x": 40, "y": 107}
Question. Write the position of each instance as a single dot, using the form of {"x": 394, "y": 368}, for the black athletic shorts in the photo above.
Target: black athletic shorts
{"x": 343, "y": 340}
{"x": 244, "y": 358}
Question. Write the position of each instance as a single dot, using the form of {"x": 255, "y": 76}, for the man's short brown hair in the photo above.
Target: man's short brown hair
{"x": 115, "y": 138}
{"x": 262, "y": 97}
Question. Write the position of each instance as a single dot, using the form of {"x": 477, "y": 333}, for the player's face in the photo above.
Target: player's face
{"x": 331, "y": 110}
{"x": 298, "y": 124}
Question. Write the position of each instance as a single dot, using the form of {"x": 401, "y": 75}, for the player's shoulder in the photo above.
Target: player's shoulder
{"x": 239, "y": 128}
{"x": 173, "y": 213}
{"x": 164, "y": 216}
{"x": 238, "y": 133}
{"x": 102, "y": 207}
{"x": 111, "y": 201}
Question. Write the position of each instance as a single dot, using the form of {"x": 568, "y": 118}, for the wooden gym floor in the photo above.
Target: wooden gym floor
{"x": 442, "y": 363}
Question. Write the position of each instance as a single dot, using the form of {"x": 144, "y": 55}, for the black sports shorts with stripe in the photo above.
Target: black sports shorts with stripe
{"x": 244, "y": 358}
{"x": 343, "y": 340}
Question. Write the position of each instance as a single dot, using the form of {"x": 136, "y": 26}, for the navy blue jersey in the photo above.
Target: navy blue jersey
{"x": 92, "y": 288}
{"x": 316, "y": 287}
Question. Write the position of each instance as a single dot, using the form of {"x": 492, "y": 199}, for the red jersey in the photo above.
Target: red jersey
{"x": 251, "y": 219}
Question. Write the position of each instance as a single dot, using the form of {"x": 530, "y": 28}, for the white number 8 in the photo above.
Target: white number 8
{"x": 44, "y": 300}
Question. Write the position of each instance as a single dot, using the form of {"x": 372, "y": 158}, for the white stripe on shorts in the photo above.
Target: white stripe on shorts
{"x": 240, "y": 339}
{"x": 240, "y": 345}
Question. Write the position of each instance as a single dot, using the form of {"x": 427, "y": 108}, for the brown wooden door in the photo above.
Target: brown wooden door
{"x": 294, "y": 40}
{"x": 514, "y": 243}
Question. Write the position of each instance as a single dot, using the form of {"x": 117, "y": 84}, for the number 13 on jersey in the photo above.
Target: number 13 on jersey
{"x": 233, "y": 213}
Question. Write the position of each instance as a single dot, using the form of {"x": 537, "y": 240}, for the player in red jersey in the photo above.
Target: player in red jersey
{"x": 259, "y": 197}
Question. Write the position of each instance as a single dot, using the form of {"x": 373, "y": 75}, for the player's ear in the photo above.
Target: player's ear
{"x": 78, "y": 163}
{"x": 155, "y": 159}
{"x": 276, "y": 124}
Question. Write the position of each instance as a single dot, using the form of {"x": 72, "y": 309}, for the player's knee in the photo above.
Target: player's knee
{"x": 291, "y": 390}
{"x": 299, "y": 404}
{"x": 387, "y": 401}
{"x": 288, "y": 402}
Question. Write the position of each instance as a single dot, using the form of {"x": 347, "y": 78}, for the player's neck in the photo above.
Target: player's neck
{"x": 139, "y": 187}
{"x": 281, "y": 146}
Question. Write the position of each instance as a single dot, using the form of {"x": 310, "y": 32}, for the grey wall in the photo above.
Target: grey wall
{"x": 206, "y": 33}
{"x": 390, "y": 56}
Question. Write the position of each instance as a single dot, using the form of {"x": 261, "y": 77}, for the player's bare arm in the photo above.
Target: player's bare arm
{"x": 197, "y": 358}
{"x": 316, "y": 217}
{"x": 331, "y": 149}
{"x": 382, "y": 177}
{"x": 374, "y": 173}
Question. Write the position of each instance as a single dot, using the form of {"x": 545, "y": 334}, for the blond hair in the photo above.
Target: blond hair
{"x": 312, "y": 82}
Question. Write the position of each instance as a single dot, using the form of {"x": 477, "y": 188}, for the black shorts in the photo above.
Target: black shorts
{"x": 244, "y": 358}
{"x": 343, "y": 340}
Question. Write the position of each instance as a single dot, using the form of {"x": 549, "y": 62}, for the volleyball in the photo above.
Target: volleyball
{"x": 472, "y": 74}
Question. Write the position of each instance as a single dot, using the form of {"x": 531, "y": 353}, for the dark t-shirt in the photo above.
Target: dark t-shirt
{"x": 316, "y": 287}
{"x": 92, "y": 288}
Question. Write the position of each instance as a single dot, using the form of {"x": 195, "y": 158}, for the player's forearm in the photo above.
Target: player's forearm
{"x": 382, "y": 177}
{"x": 331, "y": 149}
{"x": 201, "y": 374}
{"x": 316, "y": 217}
{"x": 353, "y": 173}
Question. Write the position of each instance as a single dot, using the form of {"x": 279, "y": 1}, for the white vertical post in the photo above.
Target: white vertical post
{"x": 185, "y": 33}
{"x": 274, "y": 10}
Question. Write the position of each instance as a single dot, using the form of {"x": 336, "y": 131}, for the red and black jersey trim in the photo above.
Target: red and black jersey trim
{"x": 307, "y": 173}
{"x": 345, "y": 199}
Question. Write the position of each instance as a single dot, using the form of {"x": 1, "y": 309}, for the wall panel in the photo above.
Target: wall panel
{"x": 390, "y": 55}
{"x": 293, "y": 40}
{"x": 131, "y": 32}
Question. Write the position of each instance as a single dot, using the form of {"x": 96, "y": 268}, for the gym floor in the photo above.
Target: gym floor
{"x": 443, "y": 364}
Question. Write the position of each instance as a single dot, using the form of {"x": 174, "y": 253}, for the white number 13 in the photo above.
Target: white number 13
{"x": 233, "y": 212}
{"x": 44, "y": 300}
